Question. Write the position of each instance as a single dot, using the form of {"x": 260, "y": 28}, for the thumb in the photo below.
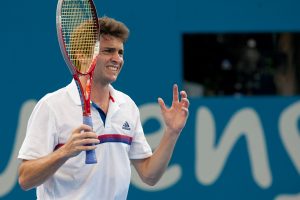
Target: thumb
{"x": 161, "y": 104}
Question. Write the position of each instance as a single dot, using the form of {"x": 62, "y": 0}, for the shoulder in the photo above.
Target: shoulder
{"x": 57, "y": 95}
{"x": 121, "y": 97}
{"x": 52, "y": 99}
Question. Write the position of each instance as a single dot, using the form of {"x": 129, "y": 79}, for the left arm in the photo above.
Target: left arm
{"x": 151, "y": 169}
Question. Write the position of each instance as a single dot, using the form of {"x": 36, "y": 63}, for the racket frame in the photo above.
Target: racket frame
{"x": 84, "y": 94}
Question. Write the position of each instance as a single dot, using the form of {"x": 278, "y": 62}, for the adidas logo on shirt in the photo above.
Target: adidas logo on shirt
{"x": 126, "y": 126}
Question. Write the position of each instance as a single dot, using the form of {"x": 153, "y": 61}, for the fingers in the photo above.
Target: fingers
{"x": 89, "y": 147}
{"x": 82, "y": 139}
{"x": 91, "y": 135}
{"x": 185, "y": 110}
{"x": 83, "y": 128}
{"x": 184, "y": 100}
{"x": 84, "y": 131}
{"x": 175, "y": 93}
{"x": 183, "y": 94}
{"x": 162, "y": 104}
{"x": 87, "y": 141}
{"x": 83, "y": 135}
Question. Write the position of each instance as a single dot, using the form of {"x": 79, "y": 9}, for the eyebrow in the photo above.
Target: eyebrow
{"x": 112, "y": 48}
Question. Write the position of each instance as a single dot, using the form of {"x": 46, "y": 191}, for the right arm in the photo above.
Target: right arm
{"x": 33, "y": 173}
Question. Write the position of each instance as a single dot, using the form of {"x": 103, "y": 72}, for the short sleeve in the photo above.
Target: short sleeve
{"x": 139, "y": 148}
{"x": 41, "y": 134}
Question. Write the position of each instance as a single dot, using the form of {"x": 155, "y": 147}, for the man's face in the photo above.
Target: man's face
{"x": 110, "y": 60}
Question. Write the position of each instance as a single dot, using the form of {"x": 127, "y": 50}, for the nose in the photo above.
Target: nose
{"x": 117, "y": 58}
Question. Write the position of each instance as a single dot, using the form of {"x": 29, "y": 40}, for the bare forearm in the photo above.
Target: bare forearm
{"x": 32, "y": 173}
{"x": 155, "y": 166}
{"x": 151, "y": 169}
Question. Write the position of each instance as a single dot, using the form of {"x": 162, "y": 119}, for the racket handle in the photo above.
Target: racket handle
{"x": 90, "y": 157}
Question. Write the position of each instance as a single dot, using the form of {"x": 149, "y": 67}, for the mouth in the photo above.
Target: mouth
{"x": 113, "y": 68}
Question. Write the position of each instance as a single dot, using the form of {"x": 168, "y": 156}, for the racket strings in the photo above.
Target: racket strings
{"x": 80, "y": 32}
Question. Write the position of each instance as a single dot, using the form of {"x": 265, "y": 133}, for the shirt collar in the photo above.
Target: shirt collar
{"x": 74, "y": 94}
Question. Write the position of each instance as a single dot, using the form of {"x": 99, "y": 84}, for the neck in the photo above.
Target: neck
{"x": 100, "y": 96}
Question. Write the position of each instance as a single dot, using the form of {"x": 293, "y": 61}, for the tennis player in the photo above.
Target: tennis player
{"x": 52, "y": 154}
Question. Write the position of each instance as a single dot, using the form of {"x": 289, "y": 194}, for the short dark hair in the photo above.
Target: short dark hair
{"x": 110, "y": 26}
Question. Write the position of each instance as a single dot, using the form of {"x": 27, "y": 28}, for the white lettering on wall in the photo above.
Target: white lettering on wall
{"x": 289, "y": 132}
{"x": 212, "y": 155}
{"x": 9, "y": 176}
{"x": 288, "y": 197}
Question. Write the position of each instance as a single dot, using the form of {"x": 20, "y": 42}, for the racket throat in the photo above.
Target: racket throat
{"x": 84, "y": 84}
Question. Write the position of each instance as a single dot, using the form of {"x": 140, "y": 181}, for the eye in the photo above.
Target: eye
{"x": 108, "y": 50}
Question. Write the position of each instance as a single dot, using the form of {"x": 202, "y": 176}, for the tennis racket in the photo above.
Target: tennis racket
{"x": 78, "y": 35}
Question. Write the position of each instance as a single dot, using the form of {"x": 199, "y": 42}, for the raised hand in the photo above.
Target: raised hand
{"x": 176, "y": 116}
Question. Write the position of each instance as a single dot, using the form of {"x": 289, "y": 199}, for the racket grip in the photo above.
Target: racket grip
{"x": 90, "y": 157}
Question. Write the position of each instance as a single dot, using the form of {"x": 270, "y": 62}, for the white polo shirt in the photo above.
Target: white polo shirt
{"x": 122, "y": 138}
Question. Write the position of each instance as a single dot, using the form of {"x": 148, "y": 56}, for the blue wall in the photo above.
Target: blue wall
{"x": 29, "y": 50}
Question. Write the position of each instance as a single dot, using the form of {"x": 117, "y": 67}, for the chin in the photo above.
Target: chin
{"x": 113, "y": 79}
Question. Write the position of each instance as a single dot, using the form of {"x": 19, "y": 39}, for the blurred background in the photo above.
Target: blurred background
{"x": 241, "y": 64}
{"x": 238, "y": 61}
